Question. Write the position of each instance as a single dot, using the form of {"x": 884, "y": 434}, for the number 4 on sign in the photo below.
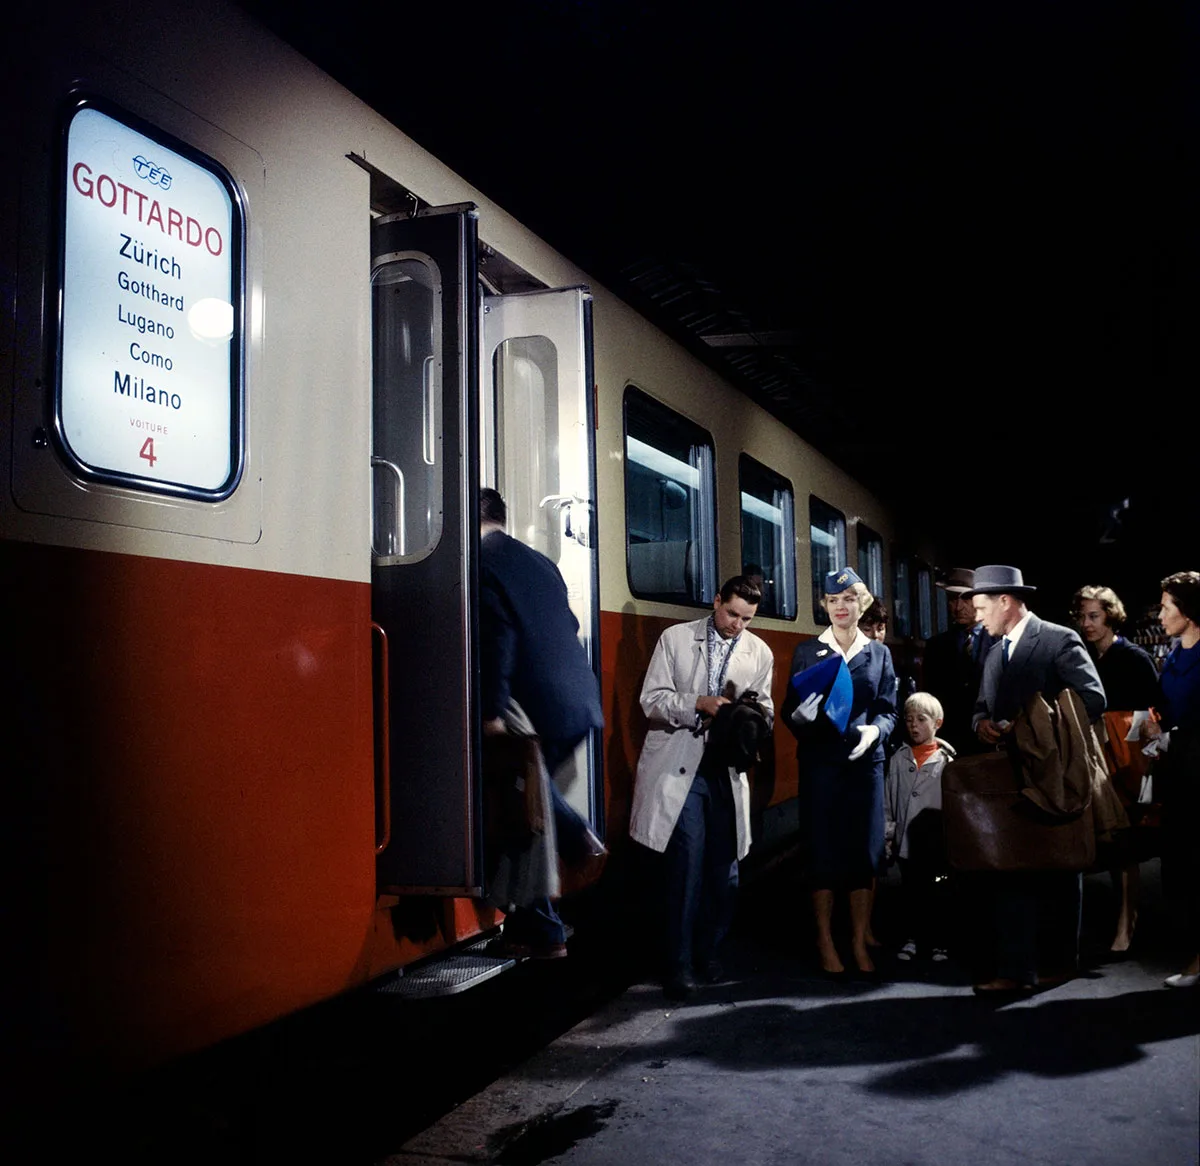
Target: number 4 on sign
{"x": 148, "y": 451}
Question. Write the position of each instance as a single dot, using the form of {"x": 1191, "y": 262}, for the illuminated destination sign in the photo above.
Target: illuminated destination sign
{"x": 149, "y": 372}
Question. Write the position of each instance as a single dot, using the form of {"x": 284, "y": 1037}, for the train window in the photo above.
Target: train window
{"x": 924, "y": 602}
{"x": 901, "y": 596}
{"x": 769, "y": 536}
{"x": 149, "y": 384}
{"x": 870, "y": 560}
{"x": 670, "y": 504}
{"x": 827, "y": 532}
{"x": 406, "y": 460}
{"x": 943, "y": 614}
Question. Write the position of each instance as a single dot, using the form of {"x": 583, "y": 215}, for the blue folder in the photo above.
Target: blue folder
{"x": 831, "y": 678}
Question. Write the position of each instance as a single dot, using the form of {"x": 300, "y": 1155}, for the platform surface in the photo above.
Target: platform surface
{"x": 778, "y": 1065}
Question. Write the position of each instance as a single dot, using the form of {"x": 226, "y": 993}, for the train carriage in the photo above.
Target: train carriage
{"x": 260, "y": 351}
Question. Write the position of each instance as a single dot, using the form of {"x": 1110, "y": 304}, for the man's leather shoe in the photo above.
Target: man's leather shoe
{"x": 501, "y": 948}
{"x": 1002, "y": 986}
{"x": 680, "y": 986}
{"x": 710, "y": 972}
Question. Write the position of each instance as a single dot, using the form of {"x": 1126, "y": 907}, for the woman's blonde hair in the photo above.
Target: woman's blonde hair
{"x": 865, "y": 598}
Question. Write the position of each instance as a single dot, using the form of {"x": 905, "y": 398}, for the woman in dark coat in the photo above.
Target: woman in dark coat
{"x": 841, "y": 774}
{"x": 1180, "y": 742}
{"x": 1130, "y": 684}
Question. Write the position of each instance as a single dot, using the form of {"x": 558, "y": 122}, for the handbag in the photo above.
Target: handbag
{"x": 991, "y": 826}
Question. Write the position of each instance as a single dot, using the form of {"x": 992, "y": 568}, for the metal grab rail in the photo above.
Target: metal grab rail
{"x": 383, "y": 736}
{"x": 429, "y": 408}
{"x": 400, "y": 529}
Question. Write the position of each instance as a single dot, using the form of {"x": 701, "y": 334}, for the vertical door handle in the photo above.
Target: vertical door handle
{"x": 383, "y": 736}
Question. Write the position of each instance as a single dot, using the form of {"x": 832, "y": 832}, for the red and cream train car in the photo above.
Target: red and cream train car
{"x": 259, "y": 351}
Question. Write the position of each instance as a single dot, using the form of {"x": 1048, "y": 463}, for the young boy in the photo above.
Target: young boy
{"x": 913, "y": 830}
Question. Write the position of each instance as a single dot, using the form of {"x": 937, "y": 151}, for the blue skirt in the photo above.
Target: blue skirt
{"x": 843, "y": 804}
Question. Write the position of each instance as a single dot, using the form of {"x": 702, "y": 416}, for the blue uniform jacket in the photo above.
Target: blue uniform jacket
{"x": 874, "y": 681}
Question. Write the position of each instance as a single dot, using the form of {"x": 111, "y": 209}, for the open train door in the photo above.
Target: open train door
{"x": 538, "y": 449}
{"x": 425, "y": 542}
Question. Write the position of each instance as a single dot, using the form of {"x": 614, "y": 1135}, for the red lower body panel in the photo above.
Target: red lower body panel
{"x": 191, "y": 799}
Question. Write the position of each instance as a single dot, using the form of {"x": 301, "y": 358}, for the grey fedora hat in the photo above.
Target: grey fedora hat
{"x": 996, "y": 579}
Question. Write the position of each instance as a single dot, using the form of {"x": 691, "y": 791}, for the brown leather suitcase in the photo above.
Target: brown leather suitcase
{"x": 990, "y": 826}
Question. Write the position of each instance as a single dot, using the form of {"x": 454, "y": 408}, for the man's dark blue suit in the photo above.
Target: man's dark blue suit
{"x": 529, "y": 645}
{"x": 529, "y": 651}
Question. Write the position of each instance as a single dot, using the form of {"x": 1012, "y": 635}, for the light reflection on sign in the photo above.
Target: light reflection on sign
{"x": 149, "y": 260}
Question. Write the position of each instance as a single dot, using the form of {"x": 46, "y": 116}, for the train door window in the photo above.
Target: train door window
{"x": 870, "y": 560}
{"x": 407, "y": 439}
{"x": 924, "y": 602}
{"x": 940, "y": 610}
{"x": 670, "y": 504}
{"x": 901, "y": 596}
{"x": 827, "y": 532}
{"x": 525, "y": 371}
{"x": 769, "y": 536}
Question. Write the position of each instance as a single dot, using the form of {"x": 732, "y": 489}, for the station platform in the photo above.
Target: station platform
{"x": 779, "y": 1065}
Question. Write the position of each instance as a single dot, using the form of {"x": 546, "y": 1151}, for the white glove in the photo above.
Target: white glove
{"x": 806, "y": 711}
{"x": 867, "y": 736}
{"x": 1161, "y": 744}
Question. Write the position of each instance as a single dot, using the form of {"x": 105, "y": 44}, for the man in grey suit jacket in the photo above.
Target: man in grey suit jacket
{"x": 1032, "y": 656}
{"x": 1036, "y": 914}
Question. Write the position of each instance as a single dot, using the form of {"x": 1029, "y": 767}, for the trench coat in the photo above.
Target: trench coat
{"x": 677, "y": 675}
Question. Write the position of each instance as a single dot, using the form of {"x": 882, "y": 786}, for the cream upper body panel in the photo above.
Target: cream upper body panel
{"x": 210, "y": 76}
{"x": 283, "y": 129}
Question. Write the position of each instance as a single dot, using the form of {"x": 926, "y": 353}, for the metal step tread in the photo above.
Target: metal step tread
{"x": 445, "y": 975}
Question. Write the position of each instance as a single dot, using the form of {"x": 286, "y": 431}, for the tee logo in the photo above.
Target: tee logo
{"x": 155, "y": 175}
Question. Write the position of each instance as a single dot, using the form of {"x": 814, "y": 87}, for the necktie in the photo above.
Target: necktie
{"x": 1004, "y": 651}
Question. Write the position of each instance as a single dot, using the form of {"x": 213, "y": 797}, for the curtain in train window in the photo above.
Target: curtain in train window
{"x": 406, "y": 456}
{"x": 924, "y": 602}
{"x": 827, "y": 533}
{"x": 902, "y": 597}
{"x": 870, "y": 560}
{"x": 769, "y": 536}
{"x": 943, "y": 614}
{"x": 670, "y": 504}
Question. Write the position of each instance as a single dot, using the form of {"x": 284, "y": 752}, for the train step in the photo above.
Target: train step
{"x": 466, "y": 967}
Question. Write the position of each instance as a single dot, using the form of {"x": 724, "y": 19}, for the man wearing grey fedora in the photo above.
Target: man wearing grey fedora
{"x": 1037, "y": 914}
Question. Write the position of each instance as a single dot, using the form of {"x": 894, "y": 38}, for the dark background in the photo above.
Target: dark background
{"x": 956, "y": 239}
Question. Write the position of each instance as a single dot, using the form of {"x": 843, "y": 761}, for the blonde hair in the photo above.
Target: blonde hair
{"x": 927, "y": 703}
{"x": 865, "y": 598}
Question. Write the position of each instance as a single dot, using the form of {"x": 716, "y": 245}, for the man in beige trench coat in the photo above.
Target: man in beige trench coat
{"x": 698, "y": 815}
